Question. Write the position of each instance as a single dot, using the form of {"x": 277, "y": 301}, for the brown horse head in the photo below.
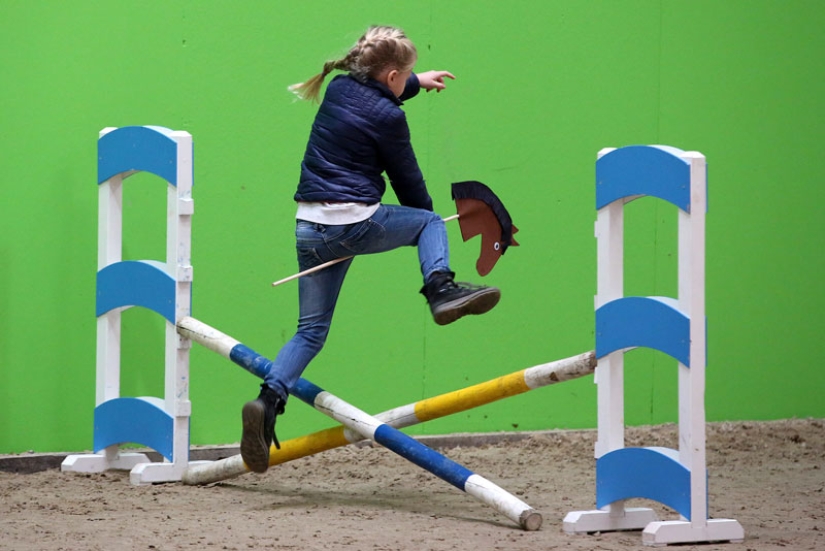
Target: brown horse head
{"x": 481, "y": 212}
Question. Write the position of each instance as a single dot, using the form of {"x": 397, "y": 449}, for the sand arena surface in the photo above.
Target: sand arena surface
{"x": 768, "y": 476}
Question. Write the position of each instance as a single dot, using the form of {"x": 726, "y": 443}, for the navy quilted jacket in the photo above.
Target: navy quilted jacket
{"x": 359, "y": 133}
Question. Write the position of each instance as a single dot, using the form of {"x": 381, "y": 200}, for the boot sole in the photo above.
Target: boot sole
{"x": 477, "y": 303}
{"x": 254, "y": 451}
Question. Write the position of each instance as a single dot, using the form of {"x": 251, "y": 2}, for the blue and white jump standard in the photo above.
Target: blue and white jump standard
{"x": 162, "y": 287}
{"x": 676, "y": 478}
{"x": 373, "y": 429}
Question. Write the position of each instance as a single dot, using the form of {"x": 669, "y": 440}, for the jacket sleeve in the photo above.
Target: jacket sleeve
{"x": 411, "y": 88}
{"x": 401, "y": 164}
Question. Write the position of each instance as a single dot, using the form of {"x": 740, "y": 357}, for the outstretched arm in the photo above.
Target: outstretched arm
{"x": 434, "y": 80}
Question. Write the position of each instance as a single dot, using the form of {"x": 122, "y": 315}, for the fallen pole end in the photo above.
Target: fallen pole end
{"x": 531, "y": 520}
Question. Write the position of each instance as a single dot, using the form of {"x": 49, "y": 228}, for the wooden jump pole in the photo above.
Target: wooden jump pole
{"x": 330, "y": 263}
{"x": 370, "y": 427}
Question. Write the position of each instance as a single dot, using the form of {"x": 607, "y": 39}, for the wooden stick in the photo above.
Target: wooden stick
{"x": 330, "y": 263}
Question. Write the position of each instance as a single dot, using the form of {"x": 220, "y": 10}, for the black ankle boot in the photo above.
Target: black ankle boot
{"x": 450, "y": 301}
{"x": 259, "y": 428}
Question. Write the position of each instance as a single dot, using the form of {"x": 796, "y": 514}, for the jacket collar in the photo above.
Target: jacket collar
{"x": 372, "y": 83}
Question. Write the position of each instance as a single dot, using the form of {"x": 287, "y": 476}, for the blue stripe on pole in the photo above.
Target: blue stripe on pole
{"x": 250, "y": 360}
{"x": 306, "y": 391}
{"x": 426, "y": 458}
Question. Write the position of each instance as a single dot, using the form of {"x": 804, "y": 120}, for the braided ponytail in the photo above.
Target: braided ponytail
{"x": 378, "y": 49}
{"x": 310, "y": 89}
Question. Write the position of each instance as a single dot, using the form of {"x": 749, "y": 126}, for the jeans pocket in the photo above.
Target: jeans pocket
{"x": 308, "y": 240}
{"x": 358, "y": 238}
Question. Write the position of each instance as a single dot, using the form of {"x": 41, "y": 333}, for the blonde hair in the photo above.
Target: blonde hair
{"x": 379, "y": 48}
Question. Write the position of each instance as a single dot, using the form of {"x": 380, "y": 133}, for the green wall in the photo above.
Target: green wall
{"x": 541, "y": 88}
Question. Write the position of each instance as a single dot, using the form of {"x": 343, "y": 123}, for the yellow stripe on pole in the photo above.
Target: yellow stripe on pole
{"x": 310, "y": 444}
{"x": 425, "y": 410}
{"x": 471, "y": 397}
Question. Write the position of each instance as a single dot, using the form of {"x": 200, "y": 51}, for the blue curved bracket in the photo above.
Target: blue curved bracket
{"x": 125, "y": 420}
{"x": 136, "y": 283}
{"x": 652, "y": 322}
{"x": 650, "y": 473}
{"x": 656, "y": 171}
{"x": 133, "y": 148}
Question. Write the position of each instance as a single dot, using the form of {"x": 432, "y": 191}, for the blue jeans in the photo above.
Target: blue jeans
{"x": 390, "y": 227}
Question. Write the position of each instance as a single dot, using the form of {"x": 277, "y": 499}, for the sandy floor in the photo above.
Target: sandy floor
{"x": 768, "y": 476}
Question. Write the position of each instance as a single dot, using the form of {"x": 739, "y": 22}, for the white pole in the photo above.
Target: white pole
{"x": 330, "y": 263}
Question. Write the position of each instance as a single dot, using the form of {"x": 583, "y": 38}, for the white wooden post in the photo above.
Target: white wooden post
{"x": 679, "y": 177}
{"x": 117, "y": 419}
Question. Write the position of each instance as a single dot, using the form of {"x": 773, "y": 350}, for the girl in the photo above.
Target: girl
{"x": 359, "y": 133}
